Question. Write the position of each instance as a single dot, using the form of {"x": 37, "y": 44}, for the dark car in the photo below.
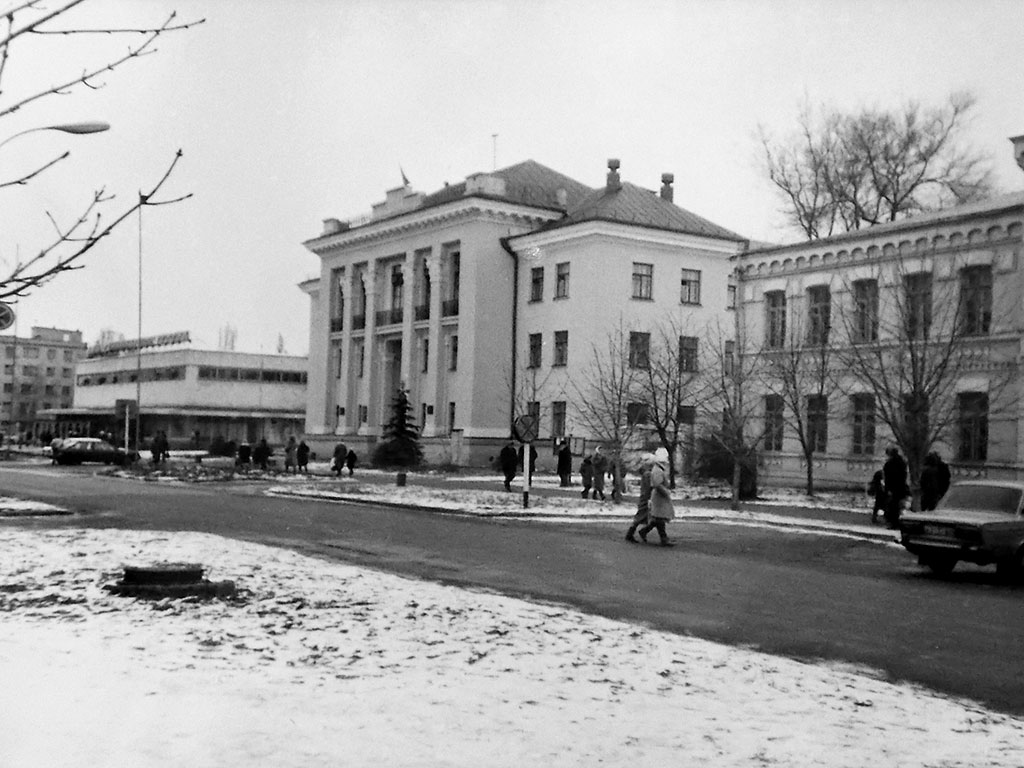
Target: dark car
{"x": 977, "y": 521}
{"x": 76, "y": 450}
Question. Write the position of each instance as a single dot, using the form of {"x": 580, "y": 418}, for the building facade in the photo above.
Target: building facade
{"x": 459, "y": 296}
{"x": 38, "y": 374}
{"x": 933, "y": 302}
{"x": 199, "y": 398}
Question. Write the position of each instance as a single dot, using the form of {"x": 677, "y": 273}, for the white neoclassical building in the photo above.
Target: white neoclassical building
{"x": 453, "y": 295}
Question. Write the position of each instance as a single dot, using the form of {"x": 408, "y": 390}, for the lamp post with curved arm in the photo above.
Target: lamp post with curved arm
{"x": 76, "y": 128}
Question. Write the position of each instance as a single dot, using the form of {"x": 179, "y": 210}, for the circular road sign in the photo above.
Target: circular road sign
{"x": 526, "y": 428}
{"x": 6, "y": 316}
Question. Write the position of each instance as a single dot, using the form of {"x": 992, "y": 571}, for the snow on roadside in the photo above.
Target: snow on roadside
{"x": 10, "y": 507}
{"x": 321, "y": 663}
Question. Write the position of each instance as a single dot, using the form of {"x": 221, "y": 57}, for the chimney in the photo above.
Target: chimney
{"x": 666, "y": 186}
{"x": 614, "y": 185}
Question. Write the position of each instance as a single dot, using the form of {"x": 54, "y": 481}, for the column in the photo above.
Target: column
{"x": 341, "y": 393}
{"x": 408, "y": 313}
{"x": 369, "y": 391}
{"x": 434, "y": 358}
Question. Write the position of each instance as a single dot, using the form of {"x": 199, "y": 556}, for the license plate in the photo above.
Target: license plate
{"x": 939, "y": 531}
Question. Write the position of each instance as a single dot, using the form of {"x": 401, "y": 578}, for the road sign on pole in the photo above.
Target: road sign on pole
{"x": 526, "y": 429}
{"x": 6, "y": 316}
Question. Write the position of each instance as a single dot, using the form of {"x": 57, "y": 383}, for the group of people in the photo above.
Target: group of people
{"x": 511, "y": 461}
{"x": 343, "y": 457}
{"x": 890, "y": 488}
{"x": 296, "y": 457}
{"x": 159, "y": 448}
{"x": 654, "y": 507}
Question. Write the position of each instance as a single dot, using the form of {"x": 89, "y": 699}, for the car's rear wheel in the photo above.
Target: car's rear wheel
{"x": 940, "y": 564}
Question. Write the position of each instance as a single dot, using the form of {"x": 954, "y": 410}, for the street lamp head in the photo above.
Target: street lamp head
{"x": 93, "y": 127}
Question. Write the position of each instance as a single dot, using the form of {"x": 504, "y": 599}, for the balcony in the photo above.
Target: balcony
{"x": 422, "y": 312}
{"x": 337, "y": 324}
{"x": 358, "y": 322}
{"x": 389, "y": 316}
{"x": 449, "y": 308}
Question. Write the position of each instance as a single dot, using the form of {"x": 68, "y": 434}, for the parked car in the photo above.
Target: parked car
{"x": 977, "y": 521}
{"x": 75, "y": 450}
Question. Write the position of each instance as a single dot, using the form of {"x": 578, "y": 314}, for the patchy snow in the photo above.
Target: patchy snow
{"x": 321, "y": 663}
{"x": 10, "y": 507}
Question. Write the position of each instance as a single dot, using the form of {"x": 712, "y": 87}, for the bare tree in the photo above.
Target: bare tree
{"x": 608, "y": 393}
{"x": 733, "y": 418}
{"x": 801, "y": 373}
{"x": 669, "y": 386}
{"x": 76, "y": 235}
{"x": 911, "y": 340}
{"x": 840, "y": 172}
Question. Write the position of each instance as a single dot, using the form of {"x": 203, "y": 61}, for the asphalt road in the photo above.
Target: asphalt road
{"x": 800, "y": 595}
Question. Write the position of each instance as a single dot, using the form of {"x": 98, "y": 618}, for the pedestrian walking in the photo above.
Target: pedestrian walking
{"x": 508, "y": 460}
{"x": 894, "y": 473}
{"x": 302, "y": 457}
{"x": 600, "y": 462}
{"x": 661, "y": 510}
{"x": 261, "y": 454}
{"x": 587, "y": 474}
{"x": 565, "y": 465}
{"x": 643, "y": 504}
{"x": 291, "y": 450}
{"x": 935, "y": 477}
{"x": 338, "y": 458}
{"x": 533, "y": 459}
{"x": 350, "y": 461}
{"x": 876, "y": 489}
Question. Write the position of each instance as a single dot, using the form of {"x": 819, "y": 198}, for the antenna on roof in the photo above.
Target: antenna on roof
{"x": 405, "y": 181}
{"x": 494, "y": 143}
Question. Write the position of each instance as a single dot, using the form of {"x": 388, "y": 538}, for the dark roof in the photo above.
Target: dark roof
{"x": 640, "y": 207}
{"x": 528, "y": 183}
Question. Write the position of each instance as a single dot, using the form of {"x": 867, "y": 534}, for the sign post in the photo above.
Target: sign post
{"x": 526, "y": 429}
{"x": 128, "y": 409}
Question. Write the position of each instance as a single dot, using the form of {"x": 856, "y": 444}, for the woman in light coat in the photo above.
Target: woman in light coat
{"x": 660, "y": 509}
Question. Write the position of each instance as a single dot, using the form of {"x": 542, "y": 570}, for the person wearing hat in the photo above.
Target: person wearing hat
{"x": 644, "y": 503}
{"x": 661, "y": 510}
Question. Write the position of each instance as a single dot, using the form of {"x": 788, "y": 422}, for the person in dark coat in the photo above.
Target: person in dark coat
{"x": 302, "y": 457}
{"x": 587, "y": 474}
{"x": 338, "y": 459}
{"x": 261, "y": 454}
{"x": 935, "y": 479}
{"x": 643, "y": 504}
{"x": 350, "y": 461}
{"x": 600, "y": 462}
{"x": 894, "y": 473}
{"x": 876, "y": 489}
{"x": 508, "y": 461}
{"x": 565, "y": 465}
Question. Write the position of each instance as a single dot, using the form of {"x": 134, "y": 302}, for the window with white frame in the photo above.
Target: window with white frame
{"x": 536, "y": 345}
{"x": 689, "y": 292}
{"x": 865, "y": 311}
{"x": 537, "y": 284}
{"x": 918, "y": 305}
{"x": 976, "y": 300}
{"x": 819, "y": 314}
{"x": 562, "y": 280}
{"x": 558, "y": 410}
{"x": 863, "y": 433}
{"x": 775, "y": 319}
{"x": 688, "y": 346}
{"x": 773, "y": 422}
{"x": 639, "y": 350}
{"x": 643, "y": 281}
{"x": 973, "y": 424}
{"x": 561, "y": 348}
{"x": 817, "y": 422}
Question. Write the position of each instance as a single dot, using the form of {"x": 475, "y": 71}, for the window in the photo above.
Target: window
{"x": 819, "y": 310}
{"x": 865, "y": 311}
{"x": 9, "y": 352}
{"x": 561, "y": 348}
{"x": 453, "y": 352}
{"x": 686, "y": 414}
{"x": 976, "y": 300}
{"x": 51, "y": 354}
{"x": 863, "y": 407}
{"x": 558, "y": 418}
{"x": 639, "y": 350}
{"x": 338, "y": 363}
{"x": 643, "y": 280}
{"x": 425, "y": 352}
{"x": 65, "y": 373}
{"x": 637, "y": 413}
{"x": 397, "y": 286}
{"x": 360, "y": 351}
{"x": 773, "y": 422}
{"x": 423, "y": 415}
{"x": 562, "y": 280}
{"x": 918, "y": 315}
{"x": 30, "y": 352}
{"x": 51, "y": 371}
{"x": 533, "y": 410}
{"x": 364, "y": 414}
{"x": 730, "y": 296}
{"x": 454, "y": 275}
{"x": 537, "y": 284}
{"x": 68, "y": 357}
{"x": 30, "y": 370}
{"x": 817, "y": 422}
{"x": 690, "y": 287}
{"x": 775, "y": 319}
{"x": 729, "y": 358}
{"x": 973, "y": 418}
{"x": 451, "y": 416}
{"x": 688, "y": 354}
{"x": 536, "y": 345}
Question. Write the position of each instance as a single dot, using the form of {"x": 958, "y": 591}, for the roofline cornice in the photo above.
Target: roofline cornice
{"x": 627, "y": 232}
{"x": 421, "y": 219}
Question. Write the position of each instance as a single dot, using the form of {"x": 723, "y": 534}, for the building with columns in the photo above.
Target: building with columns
{"x": 451, "y": 295}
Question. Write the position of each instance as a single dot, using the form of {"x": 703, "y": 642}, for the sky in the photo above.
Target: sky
{"x": 411, "y": 673}
{"x": 288, "y": 112}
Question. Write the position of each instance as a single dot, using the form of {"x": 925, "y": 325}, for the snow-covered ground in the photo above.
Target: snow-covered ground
{"x": 323, "y": 664}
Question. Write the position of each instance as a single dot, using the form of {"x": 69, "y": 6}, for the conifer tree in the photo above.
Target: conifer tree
{"x": 401, "y": 444}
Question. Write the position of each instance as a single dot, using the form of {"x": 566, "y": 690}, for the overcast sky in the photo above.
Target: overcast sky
{"x": 292, "y": 111}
